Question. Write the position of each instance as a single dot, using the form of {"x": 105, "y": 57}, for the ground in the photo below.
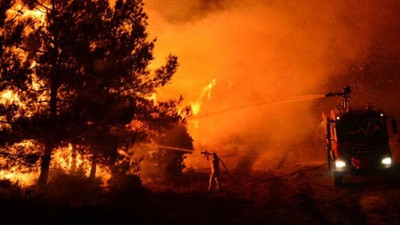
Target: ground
{"x": 300, "y": 194}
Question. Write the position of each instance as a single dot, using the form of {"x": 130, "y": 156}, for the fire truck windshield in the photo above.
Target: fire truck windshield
{"x": 361, "y": 130}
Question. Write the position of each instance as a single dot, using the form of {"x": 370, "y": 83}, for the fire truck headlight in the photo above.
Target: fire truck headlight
{"x": 340, "y": 164}
{"x": 387, "y": 161}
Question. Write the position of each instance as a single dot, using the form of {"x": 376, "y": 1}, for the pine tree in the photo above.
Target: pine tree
{"x": 89, "y": 65}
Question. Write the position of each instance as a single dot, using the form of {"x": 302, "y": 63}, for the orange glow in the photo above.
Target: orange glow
{"x": 24, "y": 12}
{"x": 19, "y": 174}
{"x": 261, "y": 52}
{"x": 62, "y": 159}
{"x": 272, "y": 60}
{"x": 9, "y": 97}
{"x": 196, "y": 106}
{"x": 153, "y": 98}
{"x": 21, "y": 178}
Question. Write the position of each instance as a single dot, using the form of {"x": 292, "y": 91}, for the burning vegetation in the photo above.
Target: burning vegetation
{"x": 92, "y": 108}
{"x": 263, "y": 52}
{"x": 77, "y": 93}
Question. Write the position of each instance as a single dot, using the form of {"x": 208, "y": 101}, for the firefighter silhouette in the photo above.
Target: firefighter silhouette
{"x": 214, "y": 177}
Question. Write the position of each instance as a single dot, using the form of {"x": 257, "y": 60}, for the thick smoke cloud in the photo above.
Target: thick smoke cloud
{"x": 264, "y": 50}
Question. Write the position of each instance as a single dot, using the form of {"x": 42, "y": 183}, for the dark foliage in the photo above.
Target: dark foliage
{"x": 89, "y": 63}
{"x": 178, "y": 137}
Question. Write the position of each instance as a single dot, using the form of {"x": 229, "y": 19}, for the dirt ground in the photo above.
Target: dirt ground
{"x": 302, "y": 194}
{"x": 301, "y": 198}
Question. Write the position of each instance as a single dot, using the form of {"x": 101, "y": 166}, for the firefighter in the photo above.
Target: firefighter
{"x": 214, "y": 177}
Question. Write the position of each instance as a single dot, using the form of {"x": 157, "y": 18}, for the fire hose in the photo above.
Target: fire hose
{"x": 207, "y": 154}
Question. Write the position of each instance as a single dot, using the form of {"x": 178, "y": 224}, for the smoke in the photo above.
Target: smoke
{"x": 181, "y": 11}
{"x": 260, "y": 51}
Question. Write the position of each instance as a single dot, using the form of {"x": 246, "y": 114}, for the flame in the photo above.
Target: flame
{"x": 63, "y": 159}
{"x": 19, "y": 174}
{"x": 21, "y": 178}
{"x": 9, "y": 97}
{"x": 196, "y": 105}
{"x": 153, "y": 98}
{"x": 39, "y": 15}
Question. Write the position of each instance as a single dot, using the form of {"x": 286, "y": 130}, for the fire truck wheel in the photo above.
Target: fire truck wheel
{"x": 337, "y": 179}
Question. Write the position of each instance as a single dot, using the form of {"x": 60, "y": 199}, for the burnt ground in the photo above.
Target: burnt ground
{"x": 298, "y": 195}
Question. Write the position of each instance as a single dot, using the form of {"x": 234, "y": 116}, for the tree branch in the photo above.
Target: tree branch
{"x": 30, "y": 50}
{"x": 40, "y": 90}
{"x": 19, "y": 12}
{"x": 44, "y": 6}
{"x": 14, "y": 158}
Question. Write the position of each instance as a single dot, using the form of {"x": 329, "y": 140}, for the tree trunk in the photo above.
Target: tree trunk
{"x": 53, "y": 100}
{"x": 73, "y": 161}
{"x": 50, "y": 143}
{"x": 45, "y": 166}
{"x": 46, "y": 157}
{"x": 93, "y": 168}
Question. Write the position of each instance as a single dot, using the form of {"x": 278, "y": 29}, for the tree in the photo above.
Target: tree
{"x": 173, "y": 160}
{"x": 13, "y": 75}
{"x": 90, "y": 79}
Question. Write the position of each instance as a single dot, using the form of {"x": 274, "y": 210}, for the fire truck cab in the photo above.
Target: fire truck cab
{"x": 357, "y": 140}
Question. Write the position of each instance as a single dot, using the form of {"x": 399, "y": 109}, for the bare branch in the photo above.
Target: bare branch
{"x": 30, "y": 50}
{"x": 40, "y": 4}
{"x": 19, "y": 12}
{"x": 13, "y": 157}
{"x": 40, "y": 90}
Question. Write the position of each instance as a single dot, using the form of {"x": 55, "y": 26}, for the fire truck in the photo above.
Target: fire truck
{"x": 357, "y": 139}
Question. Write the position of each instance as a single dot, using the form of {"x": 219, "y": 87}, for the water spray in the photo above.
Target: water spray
{"x": 263, "y": 103}
{"x": 170, "y": 148}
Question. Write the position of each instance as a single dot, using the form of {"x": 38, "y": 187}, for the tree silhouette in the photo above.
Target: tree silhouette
{"x": 13, "y": 76}
{"x": 175, "y": 136}
{"x": 86, "y": 78}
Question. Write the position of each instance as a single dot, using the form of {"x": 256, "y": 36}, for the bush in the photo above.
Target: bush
{"x": 126, "y": 186}
{"x": 65, "y": 188}
{"x": 9, "y": 190}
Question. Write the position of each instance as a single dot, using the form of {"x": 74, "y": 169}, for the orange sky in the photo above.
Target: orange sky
{"x": 259, "y": 51}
